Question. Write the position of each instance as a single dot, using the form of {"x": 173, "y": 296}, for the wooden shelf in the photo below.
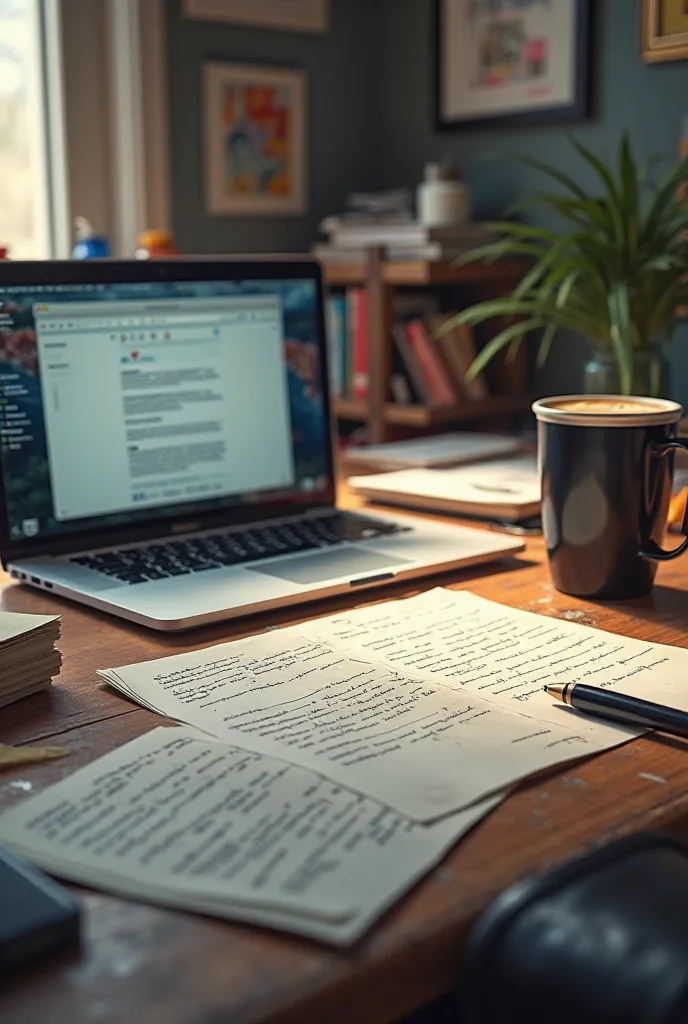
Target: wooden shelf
{"x": 380, "y": 277}
{"x": 422, "y": 272}
{"x": 422, "y": 416}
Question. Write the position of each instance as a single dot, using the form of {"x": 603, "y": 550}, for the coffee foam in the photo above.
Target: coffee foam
{"x": 606, "y": 406}
{"x": 607, "y": 410}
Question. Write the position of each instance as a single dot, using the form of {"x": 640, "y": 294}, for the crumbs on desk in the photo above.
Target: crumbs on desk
{"x": 659, "y": 779}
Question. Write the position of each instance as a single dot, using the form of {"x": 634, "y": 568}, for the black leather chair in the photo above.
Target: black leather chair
{"x": 601, "y": 940}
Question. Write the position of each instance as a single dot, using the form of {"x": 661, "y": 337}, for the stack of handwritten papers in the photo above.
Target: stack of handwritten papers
{"x": 28, "y": 657}
{"x": 366, "y": 744}
{"x": 180, "y": 819}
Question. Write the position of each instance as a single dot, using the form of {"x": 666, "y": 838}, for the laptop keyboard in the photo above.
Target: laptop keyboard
{"x": 179, "y": 557}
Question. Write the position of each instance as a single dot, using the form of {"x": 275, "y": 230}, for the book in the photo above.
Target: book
{"x": 452, "y": 449}
{"x": 401, "y": 391}
{"x": 459, "y": 351}
{"x": 432, "y": 252}
{"x": 408, "y": 360}
{"x": 506, "y": 489}
{"x": 357, "y": 321}
{"x": 404, "y": 234}
{"x": 337, "y": 343}
{"x": 442, "y": 391}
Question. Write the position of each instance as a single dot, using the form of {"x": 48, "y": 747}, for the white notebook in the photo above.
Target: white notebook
{"x": 502, "y": 489}
{"x": 443, "y": 450}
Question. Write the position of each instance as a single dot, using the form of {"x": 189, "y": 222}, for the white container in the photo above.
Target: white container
{"x": 442, "y": 198}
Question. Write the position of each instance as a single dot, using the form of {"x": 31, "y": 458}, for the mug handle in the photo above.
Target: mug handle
{"x": 653, "y": 549}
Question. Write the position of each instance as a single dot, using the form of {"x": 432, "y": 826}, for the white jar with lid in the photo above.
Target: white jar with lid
{"x": 442, "y": 197}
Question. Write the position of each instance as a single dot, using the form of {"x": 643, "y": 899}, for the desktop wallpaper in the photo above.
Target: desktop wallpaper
{"x": 23, "y": 445}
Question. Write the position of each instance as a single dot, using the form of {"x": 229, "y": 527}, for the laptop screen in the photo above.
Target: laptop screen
{"x": 126, "y": 402}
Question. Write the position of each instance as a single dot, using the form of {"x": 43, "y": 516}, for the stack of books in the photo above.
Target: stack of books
{"x": 28, "y": 656}
{"x": 429, "y": 367}
{"x": 404, "y": 239}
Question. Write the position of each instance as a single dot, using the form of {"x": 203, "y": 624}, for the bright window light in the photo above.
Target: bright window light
{"x": 24, "y": 172}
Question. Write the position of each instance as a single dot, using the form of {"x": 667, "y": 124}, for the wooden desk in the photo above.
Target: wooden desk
{"x": 148, "y": 965}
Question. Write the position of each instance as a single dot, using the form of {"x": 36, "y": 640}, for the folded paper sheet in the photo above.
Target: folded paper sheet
{"x": 178, "y": 818}
{"x": 426, "y": 705}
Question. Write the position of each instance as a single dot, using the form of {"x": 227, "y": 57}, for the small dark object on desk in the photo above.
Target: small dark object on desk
{"x": 523, "y": 527}
{"x": 37, "y": 916}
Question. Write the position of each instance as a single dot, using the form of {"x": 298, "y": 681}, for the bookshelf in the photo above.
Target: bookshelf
{"x": 381, "y": 278}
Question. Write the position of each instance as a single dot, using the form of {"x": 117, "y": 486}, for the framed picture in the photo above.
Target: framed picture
{"x": 511, "y": 62}
{"x": 294, "y": 15}
{"x": 664, "y": 30}
{"x": 255, "y": 139}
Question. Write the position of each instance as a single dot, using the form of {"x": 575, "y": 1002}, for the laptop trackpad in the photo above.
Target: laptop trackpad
{"x": 327, "y": 565}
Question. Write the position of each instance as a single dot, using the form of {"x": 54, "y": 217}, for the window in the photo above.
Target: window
{"x": 25, "y": 215}
{"x": 79, "y": 79}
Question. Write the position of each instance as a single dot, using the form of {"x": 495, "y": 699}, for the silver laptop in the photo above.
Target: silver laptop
{"x": 166, "y": 445}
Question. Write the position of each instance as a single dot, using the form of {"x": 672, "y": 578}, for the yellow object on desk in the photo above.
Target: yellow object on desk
{"x": 677, "y": 509}
{"x": 10, "y": 757}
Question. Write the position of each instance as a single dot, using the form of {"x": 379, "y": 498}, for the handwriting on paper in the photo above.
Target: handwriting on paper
{"x": 412, "y": 743}
{"x": 503, "y": 654}
{"x": 184, "y": 819}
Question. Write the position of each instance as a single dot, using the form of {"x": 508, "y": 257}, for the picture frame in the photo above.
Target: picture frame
{"x": 664, "y": 30}
{"x": 255, "y": 139}
{"x": 502, "y": 63}
{"x": 288, "y": 15}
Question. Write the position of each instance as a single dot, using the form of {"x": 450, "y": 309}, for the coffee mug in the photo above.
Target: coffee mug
{"x": 606, "y": 467}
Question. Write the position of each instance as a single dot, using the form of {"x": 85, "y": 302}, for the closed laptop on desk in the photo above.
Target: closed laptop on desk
{"x": 166, "y": 445}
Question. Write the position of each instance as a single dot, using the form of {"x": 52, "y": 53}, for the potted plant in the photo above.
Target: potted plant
{"x": 614, "y": 271}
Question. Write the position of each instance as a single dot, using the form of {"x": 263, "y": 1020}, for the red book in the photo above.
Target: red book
{"x": 358, "y": 342}
{"x": 439, "y": 385}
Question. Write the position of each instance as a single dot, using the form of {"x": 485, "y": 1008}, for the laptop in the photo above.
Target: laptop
{"x": 166, "y": 445}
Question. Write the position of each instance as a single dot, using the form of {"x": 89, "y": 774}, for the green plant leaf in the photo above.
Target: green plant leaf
{"x": 621, "y": 332}
{"x": 584, "y": 213}
{"x": 492, "y": 308}
{"x": 614, "y": 270}
{"x": 521, "y": 229}
{"x": 598, "y": 166}
{"x": 497, "y": 250}
{"x": 629, "y": 192}
{"x": 612, "y": 194}
{"x": 664, "y": 202}
{"x": 566, "y": 287}
{"x": 546, "y": 344}
{"x": 540, "y": 269}
{"x": 552, "y": 172}
{"x": 500, "y": 341}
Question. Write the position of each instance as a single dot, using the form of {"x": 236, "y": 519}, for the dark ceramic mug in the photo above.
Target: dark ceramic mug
{"x": 606, "y": 468}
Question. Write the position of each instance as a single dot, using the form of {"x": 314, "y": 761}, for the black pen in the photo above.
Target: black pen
{"x": 620, "y": 708}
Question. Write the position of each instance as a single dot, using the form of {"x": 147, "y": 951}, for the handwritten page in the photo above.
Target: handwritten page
{"x": 505, "y": 655}
{"x": 410, "y": 742}
{"x": 177, "y": 818}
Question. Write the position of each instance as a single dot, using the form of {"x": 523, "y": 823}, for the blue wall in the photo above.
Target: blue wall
{"x": 648, "y": 101}
{"x": 371, "y": 125}
{"x": 342, "y": 74}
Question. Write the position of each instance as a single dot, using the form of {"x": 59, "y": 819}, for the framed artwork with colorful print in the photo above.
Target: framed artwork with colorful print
{"x": 511, "y": 62}
{"x": 255, "y": 139}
